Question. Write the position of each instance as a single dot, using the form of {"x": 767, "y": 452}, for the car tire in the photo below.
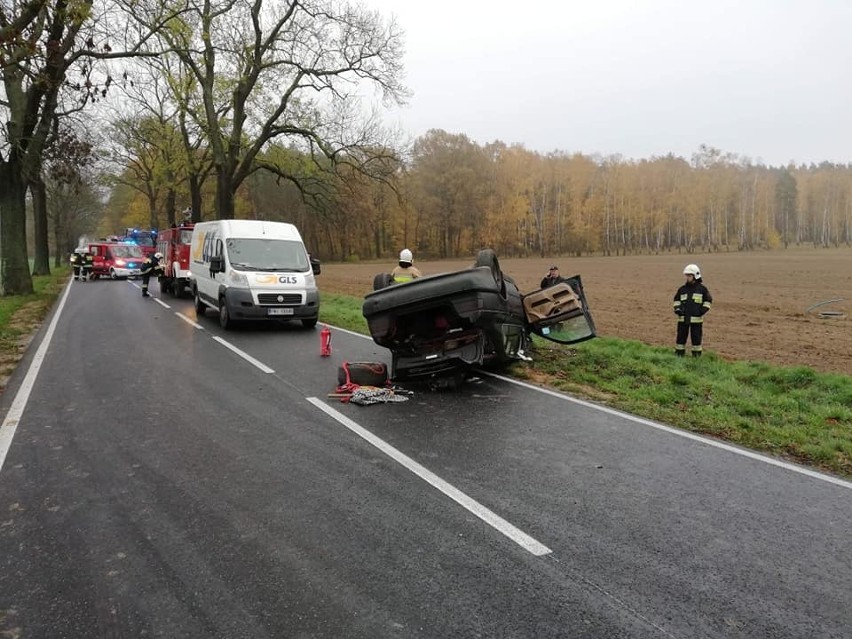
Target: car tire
{"x": 382, "y": 280}
{"x": 309, "y": 323}
{"x": 487, "y": 257}
{"x": 200, "y": 306}
{"x": 112, "y": 274}
{"x": 225, "y": 320}
{"x": 177, "y": 288}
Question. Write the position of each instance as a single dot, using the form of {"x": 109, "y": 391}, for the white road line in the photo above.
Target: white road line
{"x": 244, "y": 355}
{"x": 161, "y": 302}
{"x": 486, "y": 515}
{"x": 189, "y": 321}
{"x": 10, "y": 423}
{"x": 682, "y": 433}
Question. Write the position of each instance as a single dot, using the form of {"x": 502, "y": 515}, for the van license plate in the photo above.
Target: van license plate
{"x": 280, "y": 311}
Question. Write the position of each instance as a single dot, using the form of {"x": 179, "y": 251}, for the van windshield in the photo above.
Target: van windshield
{"x": 260, "y": 254}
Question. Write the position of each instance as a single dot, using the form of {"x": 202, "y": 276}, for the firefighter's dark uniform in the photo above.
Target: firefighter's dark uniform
{"x": 81, "y": 263}
{"x": 151, "y": 266}
{"x": 87, "y": 265}
{"x": 691, "y": 302}
{"x": 76, "y": 261}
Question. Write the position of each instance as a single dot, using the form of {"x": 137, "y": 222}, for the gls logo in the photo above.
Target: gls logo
{"x": 288, "y": 279}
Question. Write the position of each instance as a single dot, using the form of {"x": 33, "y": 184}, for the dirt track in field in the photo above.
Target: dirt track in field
{"x": 759, "y": 299}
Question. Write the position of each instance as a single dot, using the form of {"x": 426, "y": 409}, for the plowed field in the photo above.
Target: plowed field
{"x": 760, "y": 299}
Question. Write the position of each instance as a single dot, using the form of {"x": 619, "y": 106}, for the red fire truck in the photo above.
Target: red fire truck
{"x": 174, "y": 243}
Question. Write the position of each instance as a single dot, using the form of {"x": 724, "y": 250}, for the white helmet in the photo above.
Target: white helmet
{"x": 692, "y": 269}
{"x": 406, "y": 256}
{"x": 158, "y": 255}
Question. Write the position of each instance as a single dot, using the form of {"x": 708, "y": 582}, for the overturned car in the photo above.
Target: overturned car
{"x": 444, "y": 325}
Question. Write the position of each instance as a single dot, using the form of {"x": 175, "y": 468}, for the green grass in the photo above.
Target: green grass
{"x": 792, "y": 412}
{"x": 20, "y": 314}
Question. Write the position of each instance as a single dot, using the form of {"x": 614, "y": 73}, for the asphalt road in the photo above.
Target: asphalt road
{"x": 169, "y": 479}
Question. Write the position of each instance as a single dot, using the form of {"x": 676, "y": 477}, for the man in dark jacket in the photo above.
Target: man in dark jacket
{"x": 151, "y": 266}
{"x": 691, "y": 302}
{"x": 552, "y": 277}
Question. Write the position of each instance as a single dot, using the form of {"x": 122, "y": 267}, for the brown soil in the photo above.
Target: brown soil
{"x": 760, "y": 307}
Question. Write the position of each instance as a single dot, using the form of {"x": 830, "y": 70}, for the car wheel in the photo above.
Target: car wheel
{"x": 112, "y": 274}
{"x": 487, "y": 257}
{"x": 382, "y": 280}
{"x": 224, "y": 316}
{"x": 309, "y": 323}
{"x": 200, "y": 306}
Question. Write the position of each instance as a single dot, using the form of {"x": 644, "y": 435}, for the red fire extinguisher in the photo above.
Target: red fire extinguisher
{"x": 325, "y": 341}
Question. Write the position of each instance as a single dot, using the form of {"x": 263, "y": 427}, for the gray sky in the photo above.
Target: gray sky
{"x": 768, "y": 79}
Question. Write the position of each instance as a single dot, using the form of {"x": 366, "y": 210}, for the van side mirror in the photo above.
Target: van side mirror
{"x": 217, "y": 264}
{"x": 315, "y": 266}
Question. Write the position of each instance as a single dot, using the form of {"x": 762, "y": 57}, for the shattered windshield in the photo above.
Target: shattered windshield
{"x": 261, "y": 254}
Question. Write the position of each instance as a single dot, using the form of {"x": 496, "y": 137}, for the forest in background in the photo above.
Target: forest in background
{"x": 449, "y": 196}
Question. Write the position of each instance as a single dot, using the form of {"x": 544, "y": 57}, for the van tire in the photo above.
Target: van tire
{"x": 177, "y": 288}
{"x": 309, "y": 323}
{"x": 382, "y": 280}
{"x": 200, "y": 306}
{"x": 225, "y": 320}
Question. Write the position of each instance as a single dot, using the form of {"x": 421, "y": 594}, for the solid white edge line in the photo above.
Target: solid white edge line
{"x": 161, "y": 302}
{"x": 682, "y": 433}
{"x": 244, "y": 355}
{"x": 486, "y": 515}
{"x": 189, "y": 321}
{"x": 13, "y": 417}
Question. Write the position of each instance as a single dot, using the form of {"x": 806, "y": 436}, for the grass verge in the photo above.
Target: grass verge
{"x": 791, "y": 412}
{"x": 21, "y": 315}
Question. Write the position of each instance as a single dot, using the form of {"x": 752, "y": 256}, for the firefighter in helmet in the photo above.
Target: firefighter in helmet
{"x": 81, "y": 262}
{"x": 405, "y": 271}
{"x": 691, "y": 303}
{"x": 151, "y": 266}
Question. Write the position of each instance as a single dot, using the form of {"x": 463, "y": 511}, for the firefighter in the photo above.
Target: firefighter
{"x": 405, "y": 271}
{"x": 81, "y": 263}
{"x": 691, "y": 303}
{"x": 151, "y": 266}
{"x": 86, "y": 265}
{"x": 76, "y": 260}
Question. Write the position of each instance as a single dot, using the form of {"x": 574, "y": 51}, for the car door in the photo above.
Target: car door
{"x": 560, "y": 313}
{"x": 99, "y": 266}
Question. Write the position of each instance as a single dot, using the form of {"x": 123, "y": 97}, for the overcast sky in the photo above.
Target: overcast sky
{"x": 768, "y": 79}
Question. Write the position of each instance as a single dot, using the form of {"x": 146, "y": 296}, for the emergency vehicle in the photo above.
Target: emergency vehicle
{"x": 144, "y": 239}
{"x": 115, "y": 260}
{"x": 174, "y": 244}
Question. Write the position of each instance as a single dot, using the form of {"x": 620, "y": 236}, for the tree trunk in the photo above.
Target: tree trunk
{"x": 224, "y": 196}
{"x": 195, "y": 197}
{"x": 41, "y": 259}
{"x": 171, "y": 197}
{"x": 15, "y": 278}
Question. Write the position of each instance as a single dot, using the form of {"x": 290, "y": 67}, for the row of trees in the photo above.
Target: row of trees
{"x": 252, "y": 109}
{"x": 449, "y": 197}
{"x": 206, "y": 88}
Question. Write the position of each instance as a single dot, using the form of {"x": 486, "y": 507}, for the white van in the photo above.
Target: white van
{"x": 253, "y": 270}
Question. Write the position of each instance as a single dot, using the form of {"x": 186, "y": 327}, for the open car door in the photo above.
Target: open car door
{"x": 560, "y": 312}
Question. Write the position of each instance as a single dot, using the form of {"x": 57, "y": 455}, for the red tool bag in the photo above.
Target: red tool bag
{"x": 351, "y": 374}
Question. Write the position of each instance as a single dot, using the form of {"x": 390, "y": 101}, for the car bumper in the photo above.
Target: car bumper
{"x": 241, "y": 306}
{"x": 126, "y": 272}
